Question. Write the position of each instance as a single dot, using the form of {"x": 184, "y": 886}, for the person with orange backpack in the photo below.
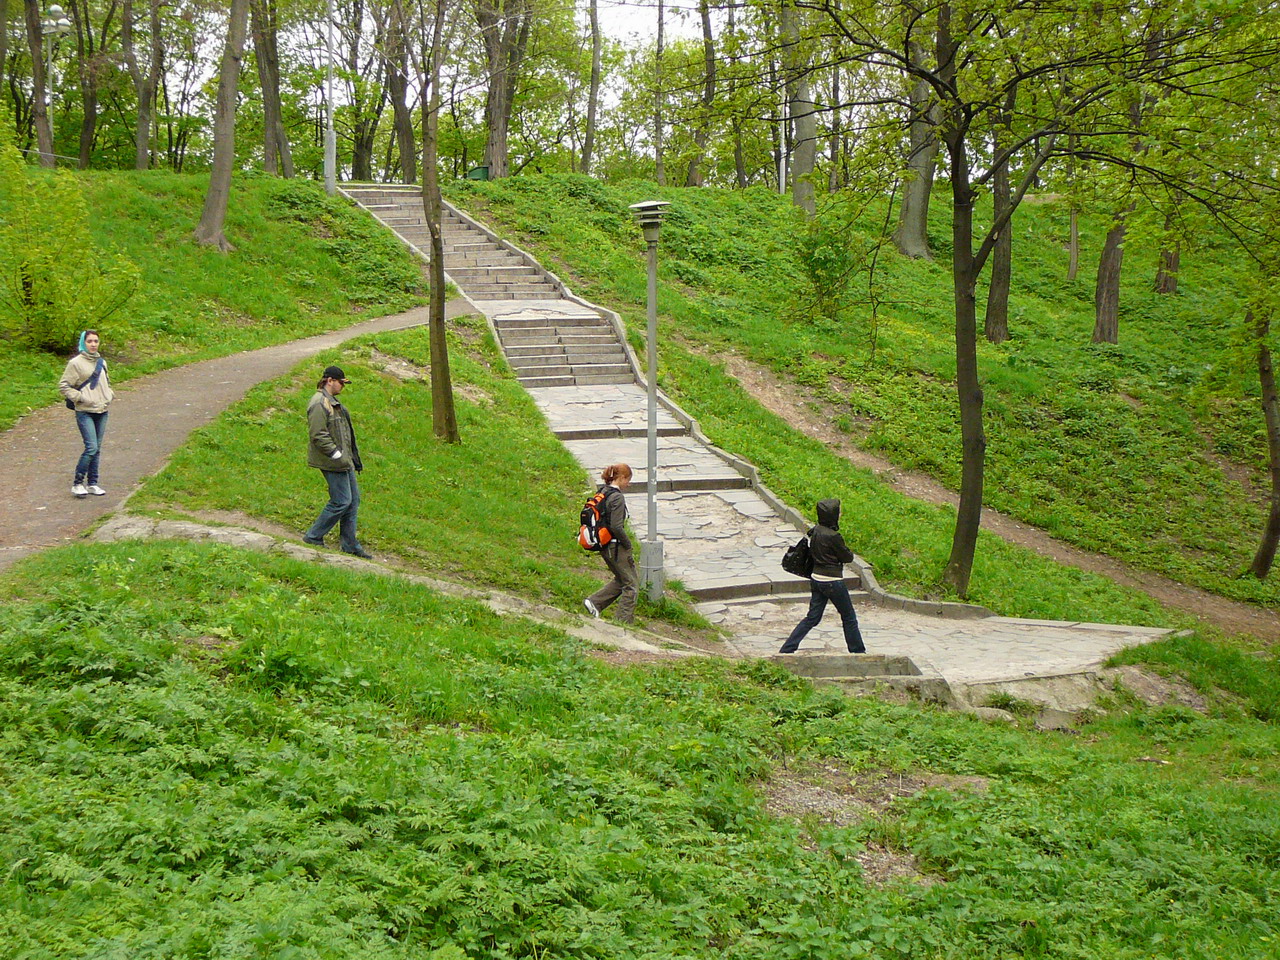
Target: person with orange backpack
{"x": 604, "y": 528}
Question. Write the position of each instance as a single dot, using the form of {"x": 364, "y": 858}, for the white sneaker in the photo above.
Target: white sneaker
{"x": 591, "y": 608}
{"x": 79, "y": 490}
{"x": 96, "y": 490}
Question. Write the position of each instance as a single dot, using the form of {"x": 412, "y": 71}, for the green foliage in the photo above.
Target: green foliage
{"x": 54, "y": 279}
{"x": 1083, "y": 440}
{"x": 414, "y": 776}
{"x": 304, "y": 263}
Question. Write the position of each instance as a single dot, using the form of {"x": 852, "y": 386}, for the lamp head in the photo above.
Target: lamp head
{"x": 649, "y": 213}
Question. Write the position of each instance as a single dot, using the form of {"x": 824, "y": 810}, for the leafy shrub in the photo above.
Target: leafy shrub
{"x": 54, "y": 280}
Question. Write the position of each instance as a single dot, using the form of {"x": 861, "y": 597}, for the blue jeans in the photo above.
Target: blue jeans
{"x": 93, "y": 427}
{"x": 344, "y": 502}
{"x": 820, "y": 591}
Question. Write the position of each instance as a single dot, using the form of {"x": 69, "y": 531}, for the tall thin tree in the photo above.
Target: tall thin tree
{"x": 593, "y": 92}
{"x": 444, "y": 419}
{"x": 39, "y": 83}
{"x": 209, "y": 232}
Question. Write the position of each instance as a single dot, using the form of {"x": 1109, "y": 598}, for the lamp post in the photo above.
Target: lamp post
{"x": 649, "y": 213}
{"x": 330, "y": 137}
{"x": 53, "y": 24}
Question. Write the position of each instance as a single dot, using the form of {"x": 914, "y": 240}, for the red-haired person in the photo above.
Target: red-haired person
{"x": 625, "y": 585}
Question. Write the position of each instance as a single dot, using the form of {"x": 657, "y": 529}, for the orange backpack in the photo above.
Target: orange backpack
{"x": 593, "y": 534}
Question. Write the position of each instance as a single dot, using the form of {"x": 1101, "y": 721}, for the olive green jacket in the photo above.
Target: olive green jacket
{"x": 329, "y": 426}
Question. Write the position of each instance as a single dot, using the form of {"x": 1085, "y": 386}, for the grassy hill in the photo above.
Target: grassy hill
{"x": 211, "y": 753}
{"x": 304, "y": 264}
{"x": 1150, "y": 451}
{"x": 215, "y": 754}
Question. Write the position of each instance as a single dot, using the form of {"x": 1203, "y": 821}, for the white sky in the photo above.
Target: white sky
{"x": 624, "y": 19}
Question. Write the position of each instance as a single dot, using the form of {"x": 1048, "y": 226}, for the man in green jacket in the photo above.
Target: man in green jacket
{"x": 334, "y": 453}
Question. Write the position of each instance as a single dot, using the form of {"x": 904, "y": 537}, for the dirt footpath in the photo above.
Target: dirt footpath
{"x": 150, "y": 418}
{"x": 1229, "y": 615}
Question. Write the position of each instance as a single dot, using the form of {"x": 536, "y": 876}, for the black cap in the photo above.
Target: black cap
{"x": 335, "y": 373}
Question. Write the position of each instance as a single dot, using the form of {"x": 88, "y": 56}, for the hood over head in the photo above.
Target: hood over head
{"x": 829, "y": 513}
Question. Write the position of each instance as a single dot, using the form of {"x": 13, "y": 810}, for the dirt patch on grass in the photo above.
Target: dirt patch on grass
{"x": 817, "y": 420}
{"x": 398, "y": 367}
{"x": 634, "y": 658}
{"x": 1157, "y": 691}
{"x": 837, "y": 797}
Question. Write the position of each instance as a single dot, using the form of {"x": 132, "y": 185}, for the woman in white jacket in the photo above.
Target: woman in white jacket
{"x": 86, "y": 386}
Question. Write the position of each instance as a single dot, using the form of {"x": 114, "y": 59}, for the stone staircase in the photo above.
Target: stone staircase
{"x": 546, "y": 348}
{"x": 722, "y": 539}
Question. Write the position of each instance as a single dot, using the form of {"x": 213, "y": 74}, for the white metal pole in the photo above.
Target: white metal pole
{"x": 330, "y": 137}
{"x": 653, "y": 547}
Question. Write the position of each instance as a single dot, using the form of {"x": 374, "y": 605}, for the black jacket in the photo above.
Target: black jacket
{"x": 826, "y": 546}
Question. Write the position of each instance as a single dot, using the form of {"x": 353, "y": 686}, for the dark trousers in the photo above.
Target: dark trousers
{"x": 625, "y": 585}
{"x": 342, "y": 509}
{"x": 93, "y": 430}
{"x": 820, "y": 591}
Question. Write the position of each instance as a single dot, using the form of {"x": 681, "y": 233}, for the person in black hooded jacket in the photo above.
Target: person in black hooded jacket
{"x": 830, "y": 554}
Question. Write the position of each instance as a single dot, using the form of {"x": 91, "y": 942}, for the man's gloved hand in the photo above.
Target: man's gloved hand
{"x": 336, "y": 455}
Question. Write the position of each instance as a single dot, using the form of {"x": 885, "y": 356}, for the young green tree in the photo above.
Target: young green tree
{"x": 1067, "y": 75}
{"x": 54, "y": 281}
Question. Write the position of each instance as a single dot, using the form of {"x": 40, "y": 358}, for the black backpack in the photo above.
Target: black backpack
{"x": 798, "y": 560}
{"x": 592, "y": 533}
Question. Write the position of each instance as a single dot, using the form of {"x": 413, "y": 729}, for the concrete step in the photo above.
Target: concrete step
{"x": 534, "y": 382}
{"x": 744, "y": 588}
{"x": 545, "y": 294}
{"x": 501, "y": 272}
{"x": 609, "y": 433}
{"x": 508, "y": 291}
{"x": 594, "y": 365}
{"x": 614, "y": 353}
{"x": 494, "y": 258}
{"x": 593, "y": 379}
{"x": 574, "y": 324}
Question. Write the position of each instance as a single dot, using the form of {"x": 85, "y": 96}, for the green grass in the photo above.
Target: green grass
{"x": 210, "y": 753}
{"x": 303, "y": 264}
{"x": 498, "y": 509}
{"x": 1130, "y": 450}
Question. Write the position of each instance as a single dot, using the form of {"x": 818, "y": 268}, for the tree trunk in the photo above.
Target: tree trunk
{"x": 659, "y": 173}
{"x": 1073, "y": 245}
{"x": 88, "y": 62}
{"x": 1167, "y": 271}
{"x": 209, "y": 230}
{"x": 801, "y": 110}
{"x": 593, "y": 95}
{"x": 833, "y": 142}
{"x": 144, "y": 85}
{"x": 4, "y": 40}
{"x": 701, "y": 135}
{"x": 398, "y": 87}
{"x": 505, "y": 31}
{"x": 964, "y": 276}
{"x": 444, "y": 420}
{"x": 973, "y": 441}
{"x": 996, "y": 324}
{"x": 1106, "y": 294}
{"x": 1266, "y": 554}
{"x": 276, "y": 156}
{"x": 88, "y": 123}
{"x": 39, "y": 84}
{"x": 912, "y": 236}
